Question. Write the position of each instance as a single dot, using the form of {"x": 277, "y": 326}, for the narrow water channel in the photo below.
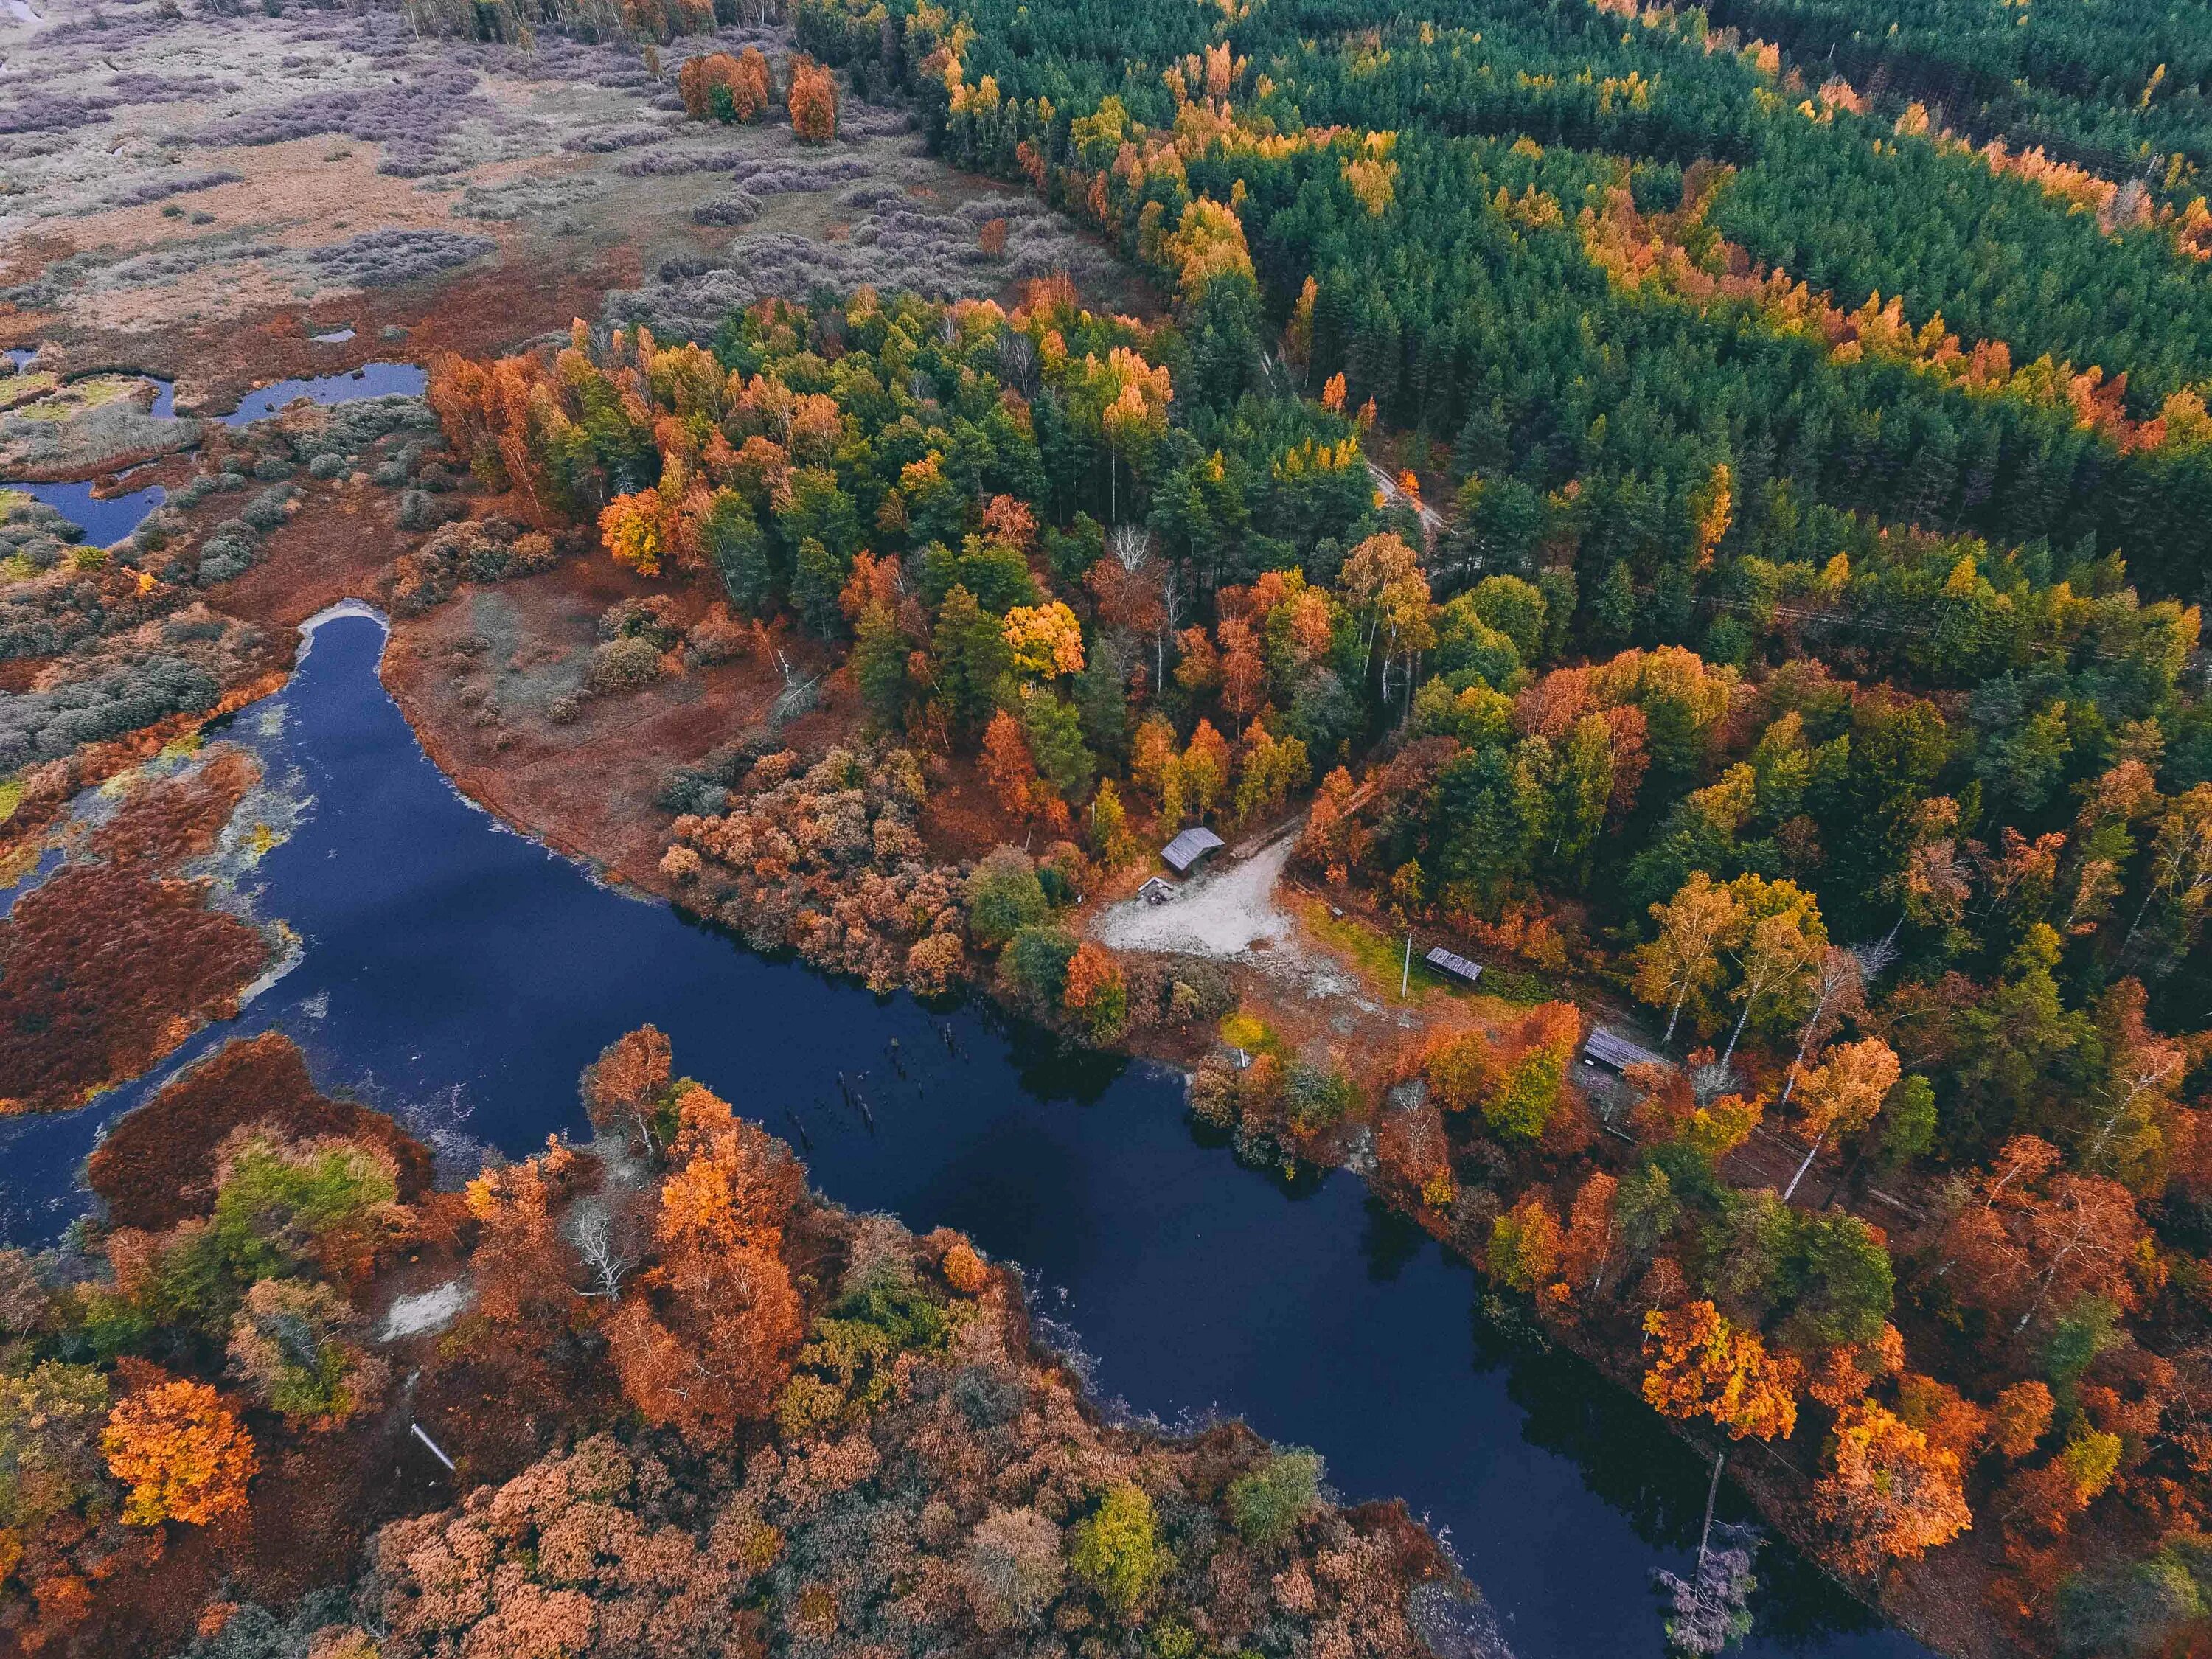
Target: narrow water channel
{"x": 107, "y": 520}
{"x": 462, "y": 975}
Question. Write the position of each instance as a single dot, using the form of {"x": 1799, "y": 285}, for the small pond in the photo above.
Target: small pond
{"x": 461, "y": 975}
{"x": 369, "y": 380}
{"x": 105, "y": 522}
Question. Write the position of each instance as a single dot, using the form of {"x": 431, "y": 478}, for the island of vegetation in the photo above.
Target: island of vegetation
{"x": 694, "y": 1408}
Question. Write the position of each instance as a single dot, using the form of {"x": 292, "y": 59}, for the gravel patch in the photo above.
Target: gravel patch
{"x": 427, "y": 1311}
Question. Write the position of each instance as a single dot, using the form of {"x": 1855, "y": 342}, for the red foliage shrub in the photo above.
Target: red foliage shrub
{"x": 102, "y": 972}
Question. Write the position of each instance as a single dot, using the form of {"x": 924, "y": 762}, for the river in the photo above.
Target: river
{"x": 462, "y": 975}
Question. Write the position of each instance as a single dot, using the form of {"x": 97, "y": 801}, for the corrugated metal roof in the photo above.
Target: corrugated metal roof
{"x": 1451, "y": 962}
{"x": 1187, "y": 848}
{"x": 1618, "y": 1052}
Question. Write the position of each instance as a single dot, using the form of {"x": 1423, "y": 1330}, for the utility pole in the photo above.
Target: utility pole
{"x": 1405, "y": 973}
{"x": 434, "y": 1449}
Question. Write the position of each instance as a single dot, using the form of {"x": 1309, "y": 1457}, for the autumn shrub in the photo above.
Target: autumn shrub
{"x": 847, "y": 1365}
{"x": 624, "y": 664}
{"x": 963, "y": 1268}
{"x": 1212, "y": 1095}
{"x": 1319, "y": 1093}
{"x": 1117, "y": 1551}
{"x": 183, "y": 1456}
{"x": 1033, "y": 966}
{"x": 828, "y": 859}
{"x": 1003, "y": 896}
{"x": 282, "y": 1205}
{"x": 300, "y": 1349}
{"x": 651, "y": 616}
{"x": 718, "y": 636}
{"x": 1269, "y": 1503}
{"x": 1013, "y": 1569}
{"x": 935, "y": 964}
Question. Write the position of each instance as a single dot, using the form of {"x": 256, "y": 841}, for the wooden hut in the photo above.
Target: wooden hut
{"x": 1451, "y": 963}
{"x": 1184, "y": 853}
{"x": 1616, "y": 1053}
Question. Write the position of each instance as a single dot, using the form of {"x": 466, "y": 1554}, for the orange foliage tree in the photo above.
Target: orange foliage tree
{"x": 2021, "y": 1417}
{"x": 710, "y": 1342}
{"x": 716, "y": 85}
{"x": 1097, "y": 992}
{"x": 1841, "y": 1095}
{"x": 813, "y": 101}
{"x": 184, "y": 1456}
{"x": 517, "y": 1259}
{"x": 1010, "y": 770}
{"x": 1592, "y": 1227}
{"x": 1889, "y": 1493}
{"x": 625, "y": 1088}
{"x": 1703, "y": 1365}
{"x": 2041, "y": 1238}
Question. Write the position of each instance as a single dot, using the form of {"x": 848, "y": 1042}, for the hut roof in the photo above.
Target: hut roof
{"x": 1450, "y": 962}
{"x": 1608, "y": 1048}
{"x": 1189, "y": 848}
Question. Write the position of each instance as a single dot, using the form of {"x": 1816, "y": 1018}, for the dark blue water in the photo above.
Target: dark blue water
{"x": 369, "y": 380}
{"x": 105, "y": 522}
{"x": 446, "y": 958}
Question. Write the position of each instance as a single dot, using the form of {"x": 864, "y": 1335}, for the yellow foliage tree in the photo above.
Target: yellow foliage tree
{"x": 1703, "y": 1365}
{"x": 1046, "y": 639}
{"x": 1524, "y": 1247}
{"x": 629, "y": 529}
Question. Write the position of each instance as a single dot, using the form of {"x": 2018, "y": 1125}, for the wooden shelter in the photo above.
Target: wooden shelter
{"x": 1450, "y": 962}
{"x": 1616, "y": 1053}
{"x": 1184, "y": 853}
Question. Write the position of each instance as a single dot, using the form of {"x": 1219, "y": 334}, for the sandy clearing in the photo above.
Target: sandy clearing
{"x": 427, "y": 1311}
{"x": 1231, "y": 914}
